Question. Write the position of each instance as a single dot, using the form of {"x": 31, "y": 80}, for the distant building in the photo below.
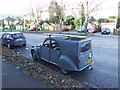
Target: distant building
{"x": 19, "y": 27}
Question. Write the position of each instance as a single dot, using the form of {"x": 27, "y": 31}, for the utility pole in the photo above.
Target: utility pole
{"x": 23, "y": 23}
{"x": 3, "y": 24}
{"x": 86, "y": 16}
{"x": 61, "y": 18}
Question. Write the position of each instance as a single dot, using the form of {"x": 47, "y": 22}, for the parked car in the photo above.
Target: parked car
{"x": 93, "y": 30}
{"x": 6, "y": 27}
{"x": 34, "y": 29}
{"x": 70, "y": 53}
{"x": 105, "y": 31}
{"x": 65, "y": 29}
{"x": 82, "y": 30}
{"x": 11, "y": 39}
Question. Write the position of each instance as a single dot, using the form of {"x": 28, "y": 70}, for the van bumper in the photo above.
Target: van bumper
{"x": 86, "y": 66}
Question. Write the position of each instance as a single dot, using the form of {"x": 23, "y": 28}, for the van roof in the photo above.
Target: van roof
{"x": 68, "y": 37}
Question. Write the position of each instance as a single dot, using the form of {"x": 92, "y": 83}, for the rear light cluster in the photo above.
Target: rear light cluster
{"x": 11, "y": 38}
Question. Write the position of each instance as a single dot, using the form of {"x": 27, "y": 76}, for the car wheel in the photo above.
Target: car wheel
{"x": 34, "y": 56}
{"x": 24, "y": 45}
{"x": 64, "y": 71}
{"x": 9, "y": 46}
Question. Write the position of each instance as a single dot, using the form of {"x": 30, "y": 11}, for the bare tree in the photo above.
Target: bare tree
{"x": 10, "y": 20}
{"x": 56, "y": 13}
{"x": 88, "y": 12}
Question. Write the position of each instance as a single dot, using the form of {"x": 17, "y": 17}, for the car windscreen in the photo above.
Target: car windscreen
{"x": 85, "y": 47}
{"x": 18, "y": 35}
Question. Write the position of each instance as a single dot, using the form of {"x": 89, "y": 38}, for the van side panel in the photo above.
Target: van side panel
{"x": 70, "y": 49}
{"x": 66, "y": 63}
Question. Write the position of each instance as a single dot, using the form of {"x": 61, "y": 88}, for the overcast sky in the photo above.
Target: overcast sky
{"x": 20, "y": 7}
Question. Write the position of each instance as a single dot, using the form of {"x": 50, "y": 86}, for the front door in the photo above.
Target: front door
{"x": 44, "y": 50}
{"x": 54, "y": 52}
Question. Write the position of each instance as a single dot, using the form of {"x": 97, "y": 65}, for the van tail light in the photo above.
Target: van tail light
{"x": 78, "y": 59}
{"x": 11, "y": 38}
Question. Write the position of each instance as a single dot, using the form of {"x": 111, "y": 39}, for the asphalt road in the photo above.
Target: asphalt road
{"x": 105, "y": 68}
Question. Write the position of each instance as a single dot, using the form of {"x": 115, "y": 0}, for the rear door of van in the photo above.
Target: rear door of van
{"x": 85, "y": 53}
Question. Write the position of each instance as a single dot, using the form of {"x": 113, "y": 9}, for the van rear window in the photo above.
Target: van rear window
{"x": 85, "y": 47}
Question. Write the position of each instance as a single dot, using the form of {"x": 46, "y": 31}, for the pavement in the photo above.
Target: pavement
{"x": 14, "y": 78}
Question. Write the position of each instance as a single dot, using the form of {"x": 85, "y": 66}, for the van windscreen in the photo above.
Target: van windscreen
{"x": 85, "y": 47}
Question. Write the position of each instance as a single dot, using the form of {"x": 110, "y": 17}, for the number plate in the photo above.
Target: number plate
{"x": 89, "y": 60}
{"x": 19, "y": 39}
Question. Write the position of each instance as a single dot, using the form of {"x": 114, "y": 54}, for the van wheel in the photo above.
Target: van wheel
{"x": 34, "y": 56}
{"x": 90, "y": 67}
{"x": 9, "y": 46}
{"x": 64, "y": 71}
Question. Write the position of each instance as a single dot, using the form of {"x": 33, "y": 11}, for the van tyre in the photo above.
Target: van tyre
{"x": 90, "y": 68}
{"x": 64, "y": 71}
{"x": 34, "y": 56}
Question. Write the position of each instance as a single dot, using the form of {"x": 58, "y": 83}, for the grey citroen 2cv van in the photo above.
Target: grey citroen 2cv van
{"x": 69, "y": 52}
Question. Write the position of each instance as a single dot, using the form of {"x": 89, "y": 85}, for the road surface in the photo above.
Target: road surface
{"x": 105, "y": 68}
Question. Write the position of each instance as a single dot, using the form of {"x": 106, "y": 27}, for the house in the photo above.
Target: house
{"x": 19, "y": 27}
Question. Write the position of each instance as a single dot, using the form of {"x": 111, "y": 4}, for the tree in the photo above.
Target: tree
{"x": 118, "y": 23}
{"x": 82, "y": 14}
{"x": 69, "y": 20}
{"x": 88, "y": 12}
{"x": 101, "y": 20}
{"x": 56, "y": 13}
{"x": 77, "y": 23}
{"x": 2, "y": 23}
{"x": 112, "y": 17}
{"x": 10, "y": 19}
